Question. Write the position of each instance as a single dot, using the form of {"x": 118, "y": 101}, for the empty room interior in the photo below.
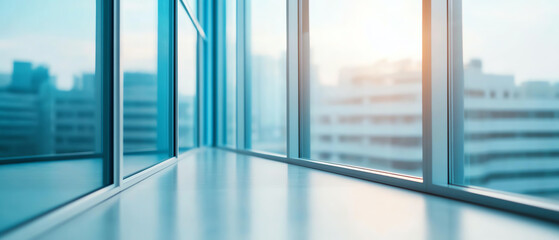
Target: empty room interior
{"x": 279, "y": 119}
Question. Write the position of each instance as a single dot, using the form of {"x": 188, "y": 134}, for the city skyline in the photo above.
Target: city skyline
{"x": 69, "y": 120}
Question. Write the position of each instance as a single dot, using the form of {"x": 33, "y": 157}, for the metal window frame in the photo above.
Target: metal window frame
{"x": 438, "y": 106}
{"x": 208, "y": 77}
{"x": 247, "y": 74}
{"x": 221, "y": 73}
{"x": 241, "y": 72}
{"x": 292, "y": 81}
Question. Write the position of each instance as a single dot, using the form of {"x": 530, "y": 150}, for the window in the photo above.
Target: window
{"x": 266, "y": 79}
{"x": 509, "y": 145}
{"x": 146, "y": 78}
{"x": 365, "y": 75}
{"x": 51, "y": 93}
{"x": 230, "y": 73}
{"x": 187, "y": 79}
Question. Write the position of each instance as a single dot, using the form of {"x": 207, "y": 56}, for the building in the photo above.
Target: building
{"x": 373, "y": 118}
{"x": 37, "y": 118}
{"x": 19, "y": 123}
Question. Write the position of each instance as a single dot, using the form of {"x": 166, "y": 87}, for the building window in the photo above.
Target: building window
{"x": 146, "y": 79}
{"x": 502, "y": 145}
{"x": 48, "y": 76}
{"x": 365, "y": 67}
{"x": 187, "y": 41}
{"x": 266, "y": 80}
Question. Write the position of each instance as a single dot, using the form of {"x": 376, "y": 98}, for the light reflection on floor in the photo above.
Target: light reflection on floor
{"x": 214, "y": 194}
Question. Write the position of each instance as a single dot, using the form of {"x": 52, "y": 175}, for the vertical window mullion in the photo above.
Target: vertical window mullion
{"x": 456, "y": 75}
{"x": 220, "y": 97}
{"x": 304, "y": 80}
{"x": 174, "y": 129}
{"x": 241, "y": 114}
{"x": 292, "y": 79}
{"x": 117, "y": 118}
{"x": 247, "y": 76}
{"x": 436, "y": 94}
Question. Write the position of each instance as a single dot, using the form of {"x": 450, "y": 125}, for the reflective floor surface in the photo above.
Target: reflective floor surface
{"x": 216, "y": 194}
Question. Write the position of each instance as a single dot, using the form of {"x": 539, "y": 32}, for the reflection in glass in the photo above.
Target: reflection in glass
{"x": 267, "y": 76}
{"x": 186, "y": 68}
{"x": 145, "y": 76}
{"x": 365, "y": 84}
{"x": 51, "y": 128}
{"x": 231, "y": 73}
{"x": 510, "y": 97}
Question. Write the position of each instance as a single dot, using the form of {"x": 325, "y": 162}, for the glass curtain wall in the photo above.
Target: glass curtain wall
{"x": 265, "y": 80}
{"x": 365, "y": 84}
{"x": 506, "y": 96}
{"x": 53, "y": 106}
{"x": 56, "y": 97}
{"x": 146, "y": 75}
{"x": 187, "y": 40}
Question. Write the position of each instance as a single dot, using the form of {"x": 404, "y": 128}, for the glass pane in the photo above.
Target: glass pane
{"x": 267, "y": 76}
{"x": 508, "y": 97}
{"x": 231, "y": 73}
{"x": 186, "y": 67}
{"x": 365, "y": 84}
{"x": 51, "y": 107}
{"x": 146, "y": 79}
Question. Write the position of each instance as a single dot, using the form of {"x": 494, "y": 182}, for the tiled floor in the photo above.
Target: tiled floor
{"x": 215, "y": 194}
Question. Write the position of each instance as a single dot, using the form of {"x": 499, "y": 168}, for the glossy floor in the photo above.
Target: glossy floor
{"x": 215, "y": 194}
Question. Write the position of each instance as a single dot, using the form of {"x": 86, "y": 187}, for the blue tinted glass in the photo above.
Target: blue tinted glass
{"x": 266, "y": 79}
{"x": 51, "y": 106}
{"x": 186, "y": 67}
{"x": 144, "y": 65}
{"x": 231, "y": 73}
{"x": 365, "y": 84}
{"x": 507, "y": 94}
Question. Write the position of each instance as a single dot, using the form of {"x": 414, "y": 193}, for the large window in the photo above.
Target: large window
{"x": 52, "y": 106}
{"x": 186, "y": 68}
{"x": 60, "y": 99}
{"x": 506, "y": 102}
{"x": 266, "y": 76}
{"x": 146, "y": 76}
{"x": 365, "y": 84}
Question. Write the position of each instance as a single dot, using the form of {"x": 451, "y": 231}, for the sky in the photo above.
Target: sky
{"x": 359, "y": 33}
{"x": 40, "y": 31}
{"x": 513, "y": 37}
{"x": 63, "y": 38}
{"x": 510, "y": 36}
